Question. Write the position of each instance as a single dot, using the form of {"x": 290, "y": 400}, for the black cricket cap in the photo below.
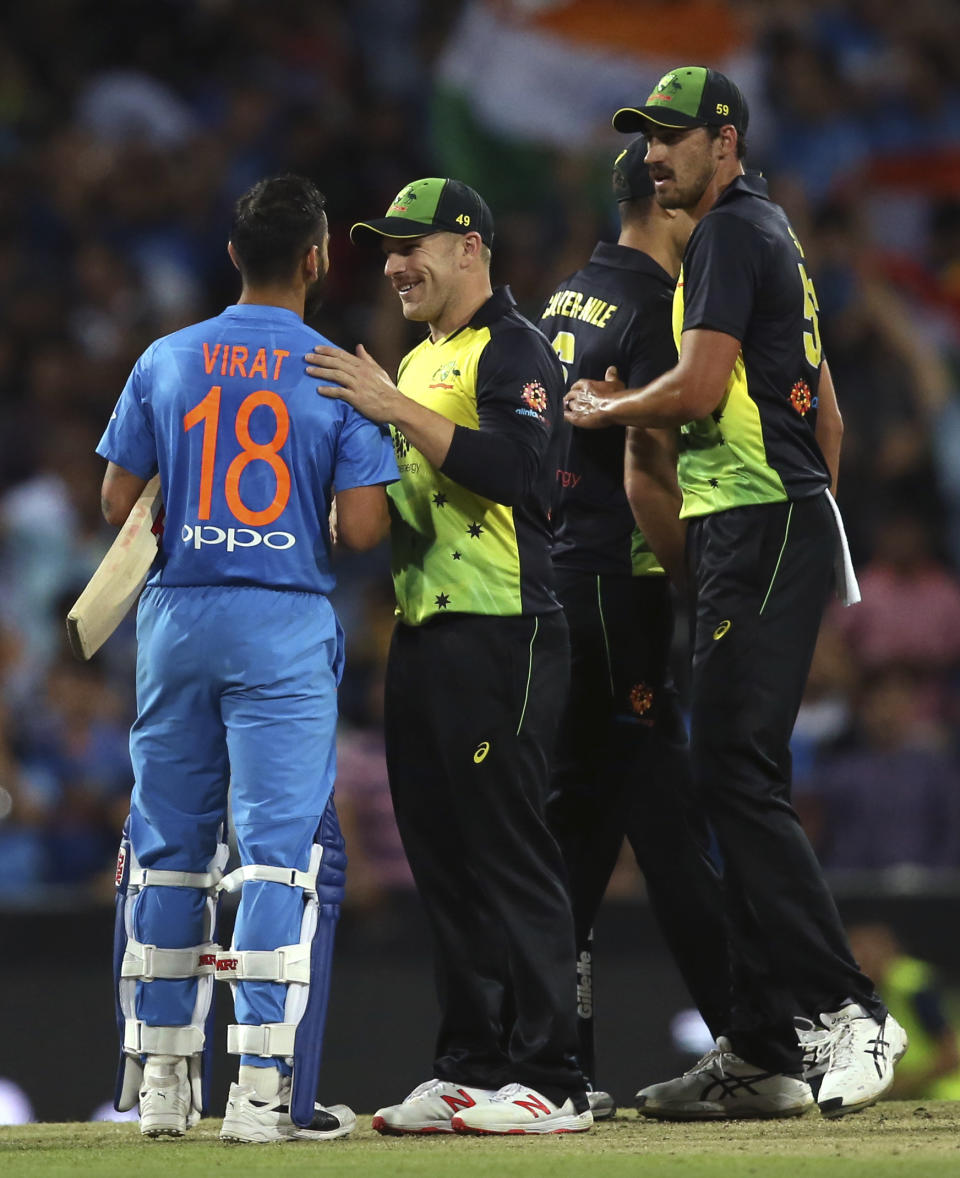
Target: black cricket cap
{"x": 433, "y": 205}
{"x": 631, "y": 176}
{"x": 689, "y": 96}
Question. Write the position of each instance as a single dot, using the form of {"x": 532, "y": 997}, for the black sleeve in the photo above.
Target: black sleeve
{"x": 721, "y": 274}
{"x": 649, "y": 347}
{"x": 519, "y": 401}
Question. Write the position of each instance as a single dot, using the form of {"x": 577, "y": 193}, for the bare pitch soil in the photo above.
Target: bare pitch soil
{"x": 896, "y": 1139}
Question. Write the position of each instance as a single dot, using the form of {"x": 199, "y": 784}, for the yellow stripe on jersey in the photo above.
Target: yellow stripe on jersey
{"x": 452, "y": 551}
{"x": 722, "y": 460}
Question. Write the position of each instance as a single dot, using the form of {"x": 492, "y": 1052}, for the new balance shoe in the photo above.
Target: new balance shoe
{"x": 430, "y": 1108}
{"x": 516, "y": 1109}
{"x": 165, "y": 1097}
{"x": 602, "y": 1105}
{"x": 861, "y": 1054}
{"x": 722, "y": 1086}
{"x": 254, "y": 1119}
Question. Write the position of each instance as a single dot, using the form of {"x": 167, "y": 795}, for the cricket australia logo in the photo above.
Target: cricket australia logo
{"x": 402, "y": 200}
{"x": 443, "y": 377}
{"x": 667, "y": 82}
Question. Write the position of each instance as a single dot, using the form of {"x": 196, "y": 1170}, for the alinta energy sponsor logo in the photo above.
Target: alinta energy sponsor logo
{"x": 641, "y": 699}
{"x": 534, "y": 396}
{"x": 801, "y": 398}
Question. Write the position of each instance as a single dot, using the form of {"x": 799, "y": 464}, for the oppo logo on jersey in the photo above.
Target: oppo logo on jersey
{"x": 204, "y": 535}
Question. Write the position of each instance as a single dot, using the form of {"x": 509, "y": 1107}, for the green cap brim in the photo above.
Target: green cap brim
{"x": 630, "y": 119}
{"x": 370, "y": 232}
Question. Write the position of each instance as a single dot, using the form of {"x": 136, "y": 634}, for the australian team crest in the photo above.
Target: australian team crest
{"x": 443, "y": 377}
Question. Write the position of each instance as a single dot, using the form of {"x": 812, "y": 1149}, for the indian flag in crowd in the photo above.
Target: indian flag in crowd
{"x": 519, "y": 78}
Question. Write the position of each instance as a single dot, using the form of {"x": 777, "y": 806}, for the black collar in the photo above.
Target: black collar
{"x": 496, "y": 306}
{"x": 749, "y": 184}
{"x": 624, "y": 257}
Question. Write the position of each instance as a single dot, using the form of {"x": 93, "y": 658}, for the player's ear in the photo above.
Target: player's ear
{"x": 233, "y": 254}
{"x": 472, "y": 245}
{"x": 314, "y": 263}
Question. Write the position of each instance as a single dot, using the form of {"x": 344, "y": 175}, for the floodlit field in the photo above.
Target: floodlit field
{"x": 899, "y": 1139}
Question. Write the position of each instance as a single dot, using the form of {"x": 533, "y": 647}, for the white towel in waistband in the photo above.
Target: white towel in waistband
{"x": 847, "y": 588}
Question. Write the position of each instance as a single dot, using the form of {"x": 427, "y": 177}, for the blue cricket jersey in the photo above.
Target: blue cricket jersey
{"x": 248, "y": 451}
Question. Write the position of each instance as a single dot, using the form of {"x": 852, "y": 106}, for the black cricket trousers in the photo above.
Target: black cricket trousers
{"x": 471, "y": 711}
{"x": 760, "y": 578}
{"x": 623, "y": 767}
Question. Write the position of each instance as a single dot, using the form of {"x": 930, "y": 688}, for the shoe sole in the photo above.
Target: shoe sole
{"x": 239, "y": 1137}
{"x": 665, "y": 1114}
{"x": 163, "y": 1131}
{"x": 531, "y": 1131}
{"x": 382, "y": 1126}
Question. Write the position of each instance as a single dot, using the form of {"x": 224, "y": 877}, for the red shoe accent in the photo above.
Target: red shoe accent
{"x": 453, "y": 1103}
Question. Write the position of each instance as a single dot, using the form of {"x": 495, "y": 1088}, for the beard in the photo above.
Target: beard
{"x": 688, "y": 196}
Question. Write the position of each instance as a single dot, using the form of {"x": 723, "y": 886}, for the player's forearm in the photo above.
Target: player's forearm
{"x": 665, "y": 403}
{"x": 431, "y": 433}
{"x": 829, "y": 431}
{"x": 120, "y": 491}
{"x": 650, "y": 481}
{"x": 362, "y": 517}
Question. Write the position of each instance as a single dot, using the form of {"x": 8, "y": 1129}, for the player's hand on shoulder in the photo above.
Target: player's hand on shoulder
{"x": 360, "y": 380}
{"x": 586, "y": 402}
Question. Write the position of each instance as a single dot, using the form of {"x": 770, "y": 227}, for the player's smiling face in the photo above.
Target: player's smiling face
{"x": 682, "y": 163}
{"x": 423, "y": 271}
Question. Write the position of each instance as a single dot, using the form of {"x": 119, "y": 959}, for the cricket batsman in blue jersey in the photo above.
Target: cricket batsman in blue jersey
{"x": 239, "y": 657}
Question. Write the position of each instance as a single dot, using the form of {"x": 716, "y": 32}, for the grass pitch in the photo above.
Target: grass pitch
{"x": 896, "y": 1139}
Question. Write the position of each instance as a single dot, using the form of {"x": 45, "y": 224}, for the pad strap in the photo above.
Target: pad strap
{"x": 289, "y": 963}
{"x": 148, "y": 962}
{"x": 139, "y": 1039}
{"x": 146, "y": 877}
{"x": 270, "y": 1039}
{"x": 307, "y": 880}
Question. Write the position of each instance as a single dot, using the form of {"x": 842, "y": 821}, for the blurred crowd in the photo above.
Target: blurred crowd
{"x": 127, "y": 131}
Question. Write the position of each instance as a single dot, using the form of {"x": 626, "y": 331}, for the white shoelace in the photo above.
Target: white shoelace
{"x": 714, "y": 1055}
{"x": 839, "y": 1047}
{"x": 508, "y": 1092}
{"x": 427, "y": 1088}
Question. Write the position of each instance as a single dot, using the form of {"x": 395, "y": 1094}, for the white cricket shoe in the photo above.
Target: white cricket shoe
{"x": 516, "y": 1109}
{"x": 814, "y": 1040}
{"x": 430, "y": 1108}
{"x": 252, "y": 1119}
{"x": 602, "y": 1105}
{"x": 165, "y": 1097}
{"x": 861, "y": 1054}
{"x": 721, "y": 1086}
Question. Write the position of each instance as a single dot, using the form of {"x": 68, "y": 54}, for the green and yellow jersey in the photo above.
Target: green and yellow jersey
{"x": 474, "y": 536}
{"x": 744, "y": 274}
{"x": 910, "y": 991}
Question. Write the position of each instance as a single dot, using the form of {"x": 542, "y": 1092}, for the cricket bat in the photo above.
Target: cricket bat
{"x": 120, "y": 576}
